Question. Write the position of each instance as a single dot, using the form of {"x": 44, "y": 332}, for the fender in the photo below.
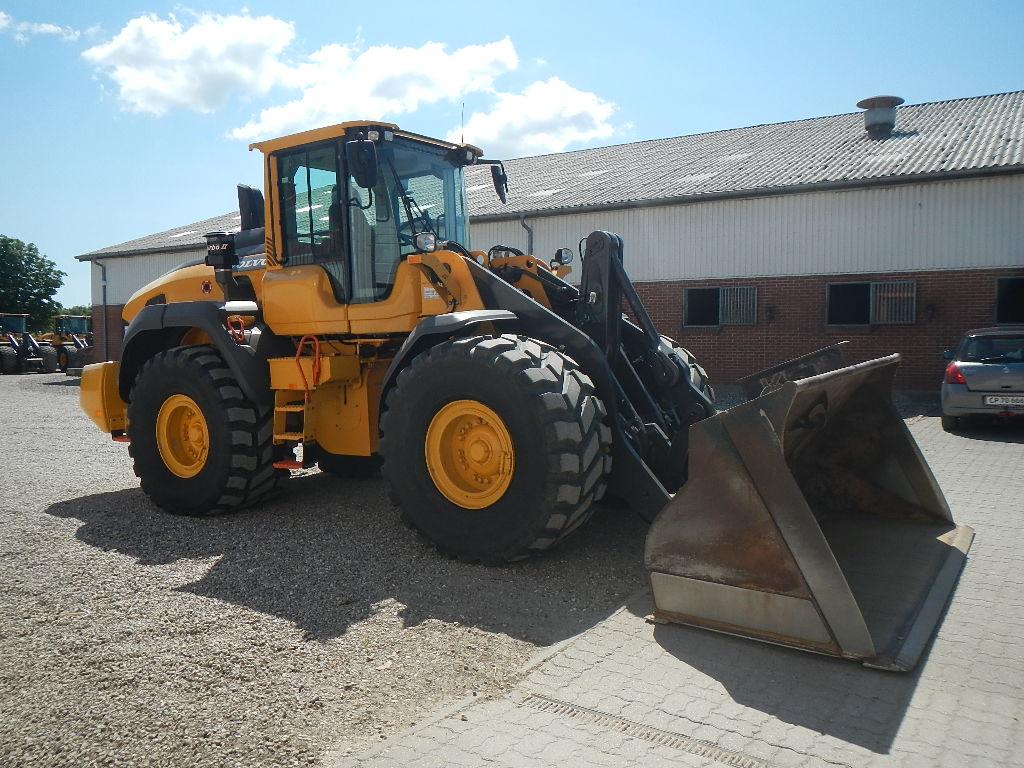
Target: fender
{"x": 425, "y": 333}
{"x": 161, "y": 326}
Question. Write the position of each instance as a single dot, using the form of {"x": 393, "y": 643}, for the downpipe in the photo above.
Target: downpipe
{"x": 529, "y": 233}
{"x": 103, "y": 304}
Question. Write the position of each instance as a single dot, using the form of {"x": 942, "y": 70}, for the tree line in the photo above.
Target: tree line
{"x": 29, "y": 282}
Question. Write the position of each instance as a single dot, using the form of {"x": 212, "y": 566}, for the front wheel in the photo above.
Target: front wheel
{"x": 48, "y": 355}
{"x": 200, "y": 446}
{"x": 62, "y": 359}
{"x": 495, "y": 447}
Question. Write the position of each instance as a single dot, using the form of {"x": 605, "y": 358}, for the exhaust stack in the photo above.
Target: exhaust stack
{"x": 880, "y": 117}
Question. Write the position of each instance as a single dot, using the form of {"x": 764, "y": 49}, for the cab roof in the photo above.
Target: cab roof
{"x": 337, "y": 131}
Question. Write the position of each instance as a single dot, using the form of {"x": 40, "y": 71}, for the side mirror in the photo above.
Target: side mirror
{"x": 947, "y": 355}
{"x": 361, "y": 156}
{"x": 563, "y": 256}
{"x": 500, "y": 181}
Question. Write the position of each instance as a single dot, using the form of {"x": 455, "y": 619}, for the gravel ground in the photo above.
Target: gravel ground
{"x": 314, "y": 622}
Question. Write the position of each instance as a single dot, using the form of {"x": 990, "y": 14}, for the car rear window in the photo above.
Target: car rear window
{"x": 996, "y": 349}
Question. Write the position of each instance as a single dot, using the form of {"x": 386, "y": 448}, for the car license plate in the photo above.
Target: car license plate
{"x": 1011, "y": 400}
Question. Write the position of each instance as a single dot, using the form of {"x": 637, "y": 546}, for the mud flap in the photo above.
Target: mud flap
{"x": 811, "y": 519}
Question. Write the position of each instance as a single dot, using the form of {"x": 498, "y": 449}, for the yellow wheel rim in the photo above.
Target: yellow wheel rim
{"x": 182, "y": 436}
{"x": 469, "y": 454}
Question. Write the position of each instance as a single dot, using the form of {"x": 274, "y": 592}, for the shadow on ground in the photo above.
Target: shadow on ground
{"x": 993, "y": 431}
{"x": 325, "y": 551}
{"x": 69, "y": 382}
{"x": 836, "y": 697}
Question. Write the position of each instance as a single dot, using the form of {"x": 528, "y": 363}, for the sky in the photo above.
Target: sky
{"x": 121, "y": 119}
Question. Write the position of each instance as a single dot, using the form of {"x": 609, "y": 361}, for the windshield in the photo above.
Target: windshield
{"x": 993, "y": 349}
{"x": 418, "y": 190}
{"x": 73, "y": 325}
{"x": 12, "y": 323}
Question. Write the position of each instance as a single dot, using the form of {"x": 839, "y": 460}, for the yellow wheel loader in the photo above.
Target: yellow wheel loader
{"x": 72, "y": 338}
{"x": 350, "y": 317}
{"x": 20, "y": 351}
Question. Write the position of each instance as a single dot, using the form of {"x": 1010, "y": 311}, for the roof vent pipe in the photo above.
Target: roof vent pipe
{"x": 880, "y": 118}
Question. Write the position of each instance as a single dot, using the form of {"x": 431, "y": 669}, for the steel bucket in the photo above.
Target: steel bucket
{"x": 812, "y": 520}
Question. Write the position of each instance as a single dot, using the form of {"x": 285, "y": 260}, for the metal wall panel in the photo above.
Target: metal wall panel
{"x": 126, "y": 275}
{"x": 968, "y": 224}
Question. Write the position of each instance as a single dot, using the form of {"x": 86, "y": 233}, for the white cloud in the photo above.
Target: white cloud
{"x": 548, "y": 116}
{"x": 160, "y": 64}
{"x": 23, "y": 30}
{"x": 339, "y": 82}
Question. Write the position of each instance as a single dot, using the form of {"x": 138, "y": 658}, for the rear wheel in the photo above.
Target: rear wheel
{"x": 49, "y": 358}
{"x": 951, "y": 423}
{"x": 62, "y": 359}
{"x": 8, "y": 360}
{"x": 495, "y": 447}
{"x": 200, "y": 446}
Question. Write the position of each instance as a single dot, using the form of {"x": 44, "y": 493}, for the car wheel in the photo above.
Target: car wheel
{"x": 951, "y": 423}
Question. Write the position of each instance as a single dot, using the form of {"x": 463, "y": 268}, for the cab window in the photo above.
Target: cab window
{"x": 312, "y": 212}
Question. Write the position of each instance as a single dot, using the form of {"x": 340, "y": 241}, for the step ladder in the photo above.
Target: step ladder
{"x": 281, "y": 411}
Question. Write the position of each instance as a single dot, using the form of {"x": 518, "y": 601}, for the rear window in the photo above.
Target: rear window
{"x": 994, "y": 349}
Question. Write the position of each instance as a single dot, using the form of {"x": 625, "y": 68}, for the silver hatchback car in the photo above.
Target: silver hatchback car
{"x": 985, "y": 376}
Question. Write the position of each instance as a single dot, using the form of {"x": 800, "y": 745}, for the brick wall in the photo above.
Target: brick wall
{"x": 116, "y": 330}
{"x": 948, "y": 303}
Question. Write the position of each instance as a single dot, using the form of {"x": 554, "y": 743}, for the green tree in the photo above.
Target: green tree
{"x": 77, "y": 309}
{"x": 28, "y": 282}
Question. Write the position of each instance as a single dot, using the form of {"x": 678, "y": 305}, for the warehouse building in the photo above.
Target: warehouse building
{"x": 897, "y": 228}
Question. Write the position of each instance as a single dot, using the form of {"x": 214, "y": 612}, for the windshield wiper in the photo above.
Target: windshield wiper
{"x": 408, "y": 203}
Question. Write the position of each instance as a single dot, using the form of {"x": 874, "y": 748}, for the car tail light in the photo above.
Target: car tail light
{"x": 954, "y": 375}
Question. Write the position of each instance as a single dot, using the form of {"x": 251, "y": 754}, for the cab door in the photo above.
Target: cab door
{"x": 311, "y": 291}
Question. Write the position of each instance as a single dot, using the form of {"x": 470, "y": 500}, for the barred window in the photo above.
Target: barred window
{"x": 893, "y": 302}
{"x": 1010, "y": 300}
{"x": 734, "y": 305}
{"x": 875, "y": 303}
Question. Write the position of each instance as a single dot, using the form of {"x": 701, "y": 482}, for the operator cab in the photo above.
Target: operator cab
{"x": 67, "y": 325}
{"x": 354, "y": 205}
{"x": 13, "y": 323}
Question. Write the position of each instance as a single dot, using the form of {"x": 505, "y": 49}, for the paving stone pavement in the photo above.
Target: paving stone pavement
{"x": 626, "y": 692}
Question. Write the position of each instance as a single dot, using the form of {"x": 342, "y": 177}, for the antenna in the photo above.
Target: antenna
{"x": 462, "y": 135}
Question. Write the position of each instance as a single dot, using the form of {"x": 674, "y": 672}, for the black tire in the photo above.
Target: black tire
{"x": 63, "y": 359}
{"x": 239, "y": 468}
{"x": 49, "y": 357}
{"x": 951, "y": 423}
{"x": 8, "y": 360}
{"x": 350, "y": 467}
{"x": 556, "y": 423}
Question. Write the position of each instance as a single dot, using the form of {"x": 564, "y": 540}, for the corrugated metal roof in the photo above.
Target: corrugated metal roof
{"x": 185, "y": 238}
{"x": 942, "y": 138}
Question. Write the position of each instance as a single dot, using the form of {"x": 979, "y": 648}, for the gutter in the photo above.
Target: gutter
{"x": 881, "y": 181}
{"x": 176, "y": 248}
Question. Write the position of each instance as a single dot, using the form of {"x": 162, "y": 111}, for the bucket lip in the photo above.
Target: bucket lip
{"x": 867, "y": 365}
